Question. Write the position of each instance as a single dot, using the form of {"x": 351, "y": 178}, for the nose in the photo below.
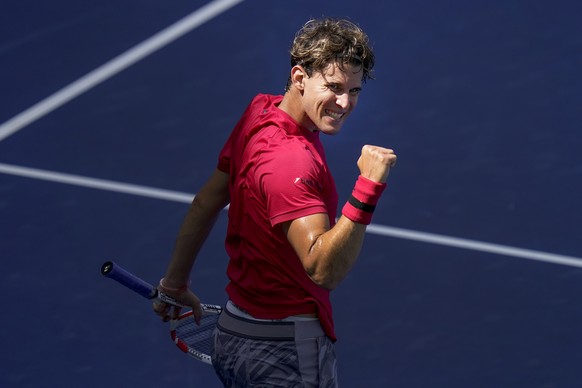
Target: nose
{"x": 343, "y": 100}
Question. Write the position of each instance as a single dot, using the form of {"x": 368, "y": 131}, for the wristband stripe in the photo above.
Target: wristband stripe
{"x": 361, "y": 205}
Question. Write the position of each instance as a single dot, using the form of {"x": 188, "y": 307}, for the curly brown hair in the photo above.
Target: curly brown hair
{"x": 323, "y": 41}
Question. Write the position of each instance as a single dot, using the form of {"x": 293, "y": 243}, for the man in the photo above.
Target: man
{"x": 286, "y": 250}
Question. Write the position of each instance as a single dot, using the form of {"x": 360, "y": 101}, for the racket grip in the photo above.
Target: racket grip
{"x": 114, "y": 271}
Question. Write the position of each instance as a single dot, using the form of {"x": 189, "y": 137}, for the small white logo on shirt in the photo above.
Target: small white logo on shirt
{"x": 308, "y": 182}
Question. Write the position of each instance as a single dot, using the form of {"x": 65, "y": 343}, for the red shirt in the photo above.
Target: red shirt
{"x": 278, "y": 173}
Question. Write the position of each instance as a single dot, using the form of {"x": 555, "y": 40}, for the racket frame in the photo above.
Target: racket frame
{"x": 182, "y": 345}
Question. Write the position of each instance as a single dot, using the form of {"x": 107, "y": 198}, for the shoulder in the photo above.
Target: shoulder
{"x": 274, "y": 143}
{"x": 262, "y": 102}
{"x": 282, "y": 162}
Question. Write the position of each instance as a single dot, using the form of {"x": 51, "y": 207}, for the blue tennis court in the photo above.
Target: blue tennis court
{"x": 112, "y": 114}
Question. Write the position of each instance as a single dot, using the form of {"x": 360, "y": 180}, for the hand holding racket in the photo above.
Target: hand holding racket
{"x": 192, "y": 336}
{"x": 183, "y": 297}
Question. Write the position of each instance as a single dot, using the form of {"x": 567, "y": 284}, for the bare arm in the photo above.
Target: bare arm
{"x": 328, "y": 254}
{"x": 197, "y": 224}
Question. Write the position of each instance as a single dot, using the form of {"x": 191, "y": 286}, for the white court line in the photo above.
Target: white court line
{"x": 387, "y": 231}
{"x": 115, "y": 66}
{"x": 100, "y": 184}
{"x": 475, "y": 245}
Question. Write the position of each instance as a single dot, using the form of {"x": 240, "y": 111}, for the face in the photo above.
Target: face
{"x": 329, "y": 97}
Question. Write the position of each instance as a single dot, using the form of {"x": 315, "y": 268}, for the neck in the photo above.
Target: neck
{"x": 291, "y": 104}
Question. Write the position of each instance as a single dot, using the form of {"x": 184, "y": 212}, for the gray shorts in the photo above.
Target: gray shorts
{"x": 249, "y": 353}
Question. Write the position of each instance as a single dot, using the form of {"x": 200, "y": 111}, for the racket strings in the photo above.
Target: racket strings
{"x": 197, "y": 337}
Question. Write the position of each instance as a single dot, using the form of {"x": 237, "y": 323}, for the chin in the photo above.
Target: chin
{"x": 330, "y": 130}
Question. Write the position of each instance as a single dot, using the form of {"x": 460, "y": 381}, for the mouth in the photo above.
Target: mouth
{"x": 335, "y": 115}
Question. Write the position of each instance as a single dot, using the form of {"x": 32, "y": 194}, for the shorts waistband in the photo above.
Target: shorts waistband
{"x": 267, "y": 330}
{"x": 239, "y": 312}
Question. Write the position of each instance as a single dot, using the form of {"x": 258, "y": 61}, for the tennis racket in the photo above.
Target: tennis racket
{"x": 190, "y": 338}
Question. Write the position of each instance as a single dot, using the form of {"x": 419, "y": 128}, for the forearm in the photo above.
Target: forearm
{"x": 196, "y": 227}
{"x": 328, "y": 254}
{"x": 334, "y": 253}
{"x": 338, "y": 249}
{"x": 193, "y": 233}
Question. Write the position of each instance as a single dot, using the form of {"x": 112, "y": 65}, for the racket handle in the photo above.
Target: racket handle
{"x": 114, "y": 271}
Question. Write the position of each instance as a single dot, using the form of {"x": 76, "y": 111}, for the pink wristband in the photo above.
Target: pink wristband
{"x": 362, "y": 203}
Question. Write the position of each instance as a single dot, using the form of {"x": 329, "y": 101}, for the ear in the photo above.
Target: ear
{"x": 298, "y": 76}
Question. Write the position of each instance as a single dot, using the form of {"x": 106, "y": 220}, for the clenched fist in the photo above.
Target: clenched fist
{"x": 375, "y": 162}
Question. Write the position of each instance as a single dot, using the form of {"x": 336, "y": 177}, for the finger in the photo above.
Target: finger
{"x": 197, "y": 311}
{"x": 159, "y": 307}
{"x": 162, "y": 309}
{"x": 388, "y": 156}
{"x": 393, "y": 160}
{"x": 168, "y": 313}
{"x": 176, "y": 312}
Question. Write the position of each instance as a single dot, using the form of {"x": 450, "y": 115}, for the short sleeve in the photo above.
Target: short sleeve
{"x": 289, "y": 180}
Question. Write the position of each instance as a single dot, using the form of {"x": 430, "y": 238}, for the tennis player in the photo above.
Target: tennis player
{"x": 286, "y": 250}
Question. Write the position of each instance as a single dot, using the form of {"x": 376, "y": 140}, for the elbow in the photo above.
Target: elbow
{"x": 326, "y": 274}
{"x": 323, "y": 280}
{"x": 213, "y": 202}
